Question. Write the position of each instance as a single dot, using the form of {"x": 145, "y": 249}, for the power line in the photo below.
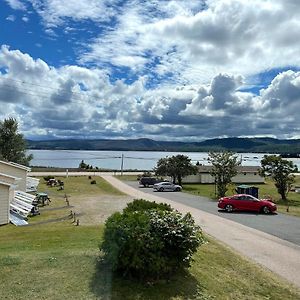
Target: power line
{"x": 27, "y": 91}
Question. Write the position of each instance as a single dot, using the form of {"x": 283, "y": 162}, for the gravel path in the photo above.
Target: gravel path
{"x": 279, "y": 256}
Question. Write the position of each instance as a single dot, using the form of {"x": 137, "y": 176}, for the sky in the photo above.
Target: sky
{"x": 160, "y": 69}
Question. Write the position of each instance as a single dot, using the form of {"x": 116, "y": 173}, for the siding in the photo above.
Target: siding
{"x": 16, "y": 172}
{"x": 8, "y": 179}
{"x": 4, "y": 204}
{"x": 240, "y": 178}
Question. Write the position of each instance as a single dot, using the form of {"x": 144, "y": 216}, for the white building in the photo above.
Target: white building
{"x": 246, "y": 174}
{"x": 15, "y": 170}
{"x": 7, "y": 192}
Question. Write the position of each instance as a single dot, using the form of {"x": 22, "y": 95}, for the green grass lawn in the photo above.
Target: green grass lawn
{"x": 73, "y": 186}
{"x": 62, "y": 261}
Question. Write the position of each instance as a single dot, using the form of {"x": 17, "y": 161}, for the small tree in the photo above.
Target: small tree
{"x": 224, "y": 167}
{"x": 150, "y": 240}
{"x": 280, "y": 171}
{"x": 12, "y": 143}
{"x": 176, "y": 167}
{"x": 82, "y": 165}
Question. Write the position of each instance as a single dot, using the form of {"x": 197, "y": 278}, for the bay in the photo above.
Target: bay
{"x": 132, "y": 160}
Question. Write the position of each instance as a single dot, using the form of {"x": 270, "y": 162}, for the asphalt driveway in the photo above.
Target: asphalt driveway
{"x": 280, "y": 225}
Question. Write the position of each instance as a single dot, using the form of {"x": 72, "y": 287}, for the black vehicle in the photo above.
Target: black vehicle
{"x": 147, "y": 181}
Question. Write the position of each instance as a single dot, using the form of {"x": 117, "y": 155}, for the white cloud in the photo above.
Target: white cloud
{"x": 185, "y": 41}
{"x": 16, "y": 4}
{"x": 11, "y": 18}
{"x": 235, "y": 36}
{"x": 187, "y": 63}
{"x": 56, "y": 12}
{"x": 72, "y": 101}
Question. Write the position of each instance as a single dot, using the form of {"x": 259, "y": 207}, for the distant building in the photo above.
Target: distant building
{"x": 246, "y": 174}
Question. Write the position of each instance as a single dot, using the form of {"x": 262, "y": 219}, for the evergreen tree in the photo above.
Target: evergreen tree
{"x": 12, "y": 143}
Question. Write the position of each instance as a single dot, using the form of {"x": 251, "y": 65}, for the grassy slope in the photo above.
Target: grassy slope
{"x": 74, "y": 186}
{"x": 62, "y": 261}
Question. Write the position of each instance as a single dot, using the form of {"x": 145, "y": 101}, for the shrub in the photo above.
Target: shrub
{"x": 150, "y": 242}
{"x": 46, "y": 178}
{"x": 93, "y": 182}
{"x": 141, "y": 204}
{"x": 147, "y": 174}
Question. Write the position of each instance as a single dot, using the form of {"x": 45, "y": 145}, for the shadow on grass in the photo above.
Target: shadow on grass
{"x": 107, "y": 285}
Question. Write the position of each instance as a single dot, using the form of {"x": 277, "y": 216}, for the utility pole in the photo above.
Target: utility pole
{"x": 122, "y": 164}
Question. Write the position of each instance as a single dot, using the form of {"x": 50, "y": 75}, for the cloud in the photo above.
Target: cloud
{"x": 73, "y": 101}
{"x": 16, "y": 4}
{"x": 197, "y": 43}
{"x": 11, "y": 18}
{"x": 57, "y": 13}
{"x": 182, "y": 42}
{"x": 159, "y": 69}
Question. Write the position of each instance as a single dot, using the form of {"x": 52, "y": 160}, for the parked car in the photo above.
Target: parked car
{"x": 167, "y": 186}
{"x": 147, "y": 181}
{"x": 247, "y": 203}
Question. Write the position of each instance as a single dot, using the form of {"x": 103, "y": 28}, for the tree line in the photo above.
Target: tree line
{"x": 224, "y": 164}
{"x": 225, "y": 167}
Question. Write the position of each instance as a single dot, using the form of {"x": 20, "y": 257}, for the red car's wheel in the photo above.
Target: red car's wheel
{"x": 265, "y": 210}
{"x": 229, "y": 208}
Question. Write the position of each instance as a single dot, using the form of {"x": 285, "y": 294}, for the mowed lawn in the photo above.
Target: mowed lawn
{"x": 62, "y": 261}
{"x": 266, "y": 190}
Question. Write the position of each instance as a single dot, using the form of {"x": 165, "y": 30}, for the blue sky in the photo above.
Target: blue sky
{"x": 161, "y": 69}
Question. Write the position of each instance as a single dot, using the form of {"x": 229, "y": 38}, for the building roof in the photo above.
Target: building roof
{"x": 241, "y": 169}
{"x": 15, "y": 165}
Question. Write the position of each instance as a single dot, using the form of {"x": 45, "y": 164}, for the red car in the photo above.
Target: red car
{"x": 246, "y": 202}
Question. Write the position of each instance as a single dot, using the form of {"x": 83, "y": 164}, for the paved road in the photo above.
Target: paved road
{"x": 280, "y": 225}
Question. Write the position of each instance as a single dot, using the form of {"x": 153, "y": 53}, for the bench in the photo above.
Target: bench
{"x": 23, "y": 204}
{"x": 25, "y": 197}
{"x": 18, "y": 210}
{"x": 32, "y": 184}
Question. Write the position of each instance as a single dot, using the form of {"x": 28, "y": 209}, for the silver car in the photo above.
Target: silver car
{"x": 167, "y": 186}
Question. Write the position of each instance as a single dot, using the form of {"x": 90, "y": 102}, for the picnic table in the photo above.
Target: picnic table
{"x": 42, "y": 198}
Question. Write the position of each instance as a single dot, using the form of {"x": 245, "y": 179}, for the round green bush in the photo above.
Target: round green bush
{"x": 152, "y": 242}
{"x": 141, "y": 204}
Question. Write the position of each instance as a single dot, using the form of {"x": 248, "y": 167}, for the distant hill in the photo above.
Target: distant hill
{"x": 269, "y": 145}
